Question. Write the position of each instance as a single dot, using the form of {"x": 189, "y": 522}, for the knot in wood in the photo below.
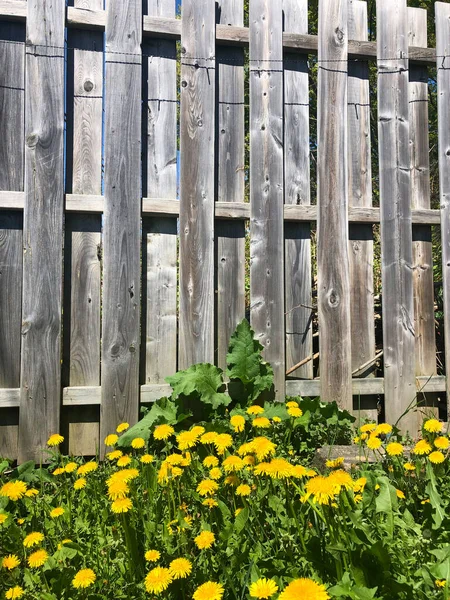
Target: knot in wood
{"x": 88, "y": 85}
{"x": 333, "y": 299}
{"x": 184, "y": 83}
{"x": 32, "y": 140}
{"x": 339, "y": 35}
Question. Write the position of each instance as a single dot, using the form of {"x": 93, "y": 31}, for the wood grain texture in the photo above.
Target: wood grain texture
{"x": 420, "y": 198}
{"x": 196, "y": 321}
{"x": 298, "y": 276}
{"x": 122, "y": 222}
{"x": 395, "y": 195}
{"x": 332, "y": 197}
{"x": 360, "y": 195}
{"x": 159, "y": 253}
{"x": 442, "y": 11}
{"x": 230, "y": 132}
{"x": 43, "y": 228}
{"x": 266, "y": 185}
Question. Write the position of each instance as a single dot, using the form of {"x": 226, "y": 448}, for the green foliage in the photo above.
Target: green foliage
{"x": 203, "y": 381}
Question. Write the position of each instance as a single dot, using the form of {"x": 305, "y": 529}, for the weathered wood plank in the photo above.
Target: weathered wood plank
{"x": 396, "y": 237}
{"x": 442, "y": 11}
{"x": 122, "y": 217}
{"x": 196, "y": 320}
{"x": 266, "y": 184}
{"x": 230, "y": 131}
{"x": 420, "y": 198}
{"x": 360, "y": 195}
{"x": 43, "y": 228}
{"x": 298, "y": 276}
{"x": 159, "y": 252}
{"x": 332, "y": 198}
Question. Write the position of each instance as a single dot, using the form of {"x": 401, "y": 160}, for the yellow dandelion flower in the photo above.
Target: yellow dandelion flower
{"x": 174, "y": 459}
{"x": 279, "y": 468}
{"x": 409, "y": 466}
{"x": 442, "y": 443}
{"x": 433, "y": 426}
{"x": 263, "y": 588}
{"x": 276, "y": 420}
{"x": 31, "y": 493}
{"x": 55, "y": 440}
{"x": 383, "y": 429}
{"x": 180, "y": 568}
{"x": 243, "y": 490}
{"x": 71, "y": 467}
{"x": 114, "y": 454}
{"x": 20, "y": 521}
{"x": 249, "y": 460}
{"x": 440, "y": 583}
{"x": 360, "y": 484}
{"x": 205, "y": 540}
{"x": 222, "y": 442}
{"x": 89, "y": 467}
{"x": 400, "y": 494}
{"x": 233, "y": 463}
{"x": 238, "y": 423}
{"x": 177, "y": 472}
{"x": 342, "y": 479}
{"x": 261, "y": 423}
{"x": 118, "y": 489}
{"x": 210, "y": 502}
{"x": 37, "y": 558}
{"x": 63, "y": 543}
{"x": 163, "y": 432}
{"x": 10, "y": 562}
{"x": 321, "y": 489}
{"x": 299, "y": 471}
{"x": 80, "y": 483}
{"x": 356, "y": 439}
{"x": 138, "y": 443}
{"x": 111, "y": 439}
{"x": 373, "y": 442}
{"x": 127, "y": 474}
{"x": 84, "y": 578}
{"x": 13, "y": 490}
{"x": 122, "y": 427}
{"x": 14, "y": 592}
{"x": 158, "y": 580}
{"x": 364, "y": 436}
{"x": 59, "y": 471}
{"x": 255, "y": 410}
{"x": 3, "y": 518}
{"x": 209, "y": 437}
{"x": 357, "y": 498}
{"x": 292, "y": 404}
{"x": 262, "y": 469}
{"x": 152, "y": 555}
{"x": 215, "y": 473}
{"x": 210, "y": 461}
{"x": 263, "y": 447}
{"x": 207, "y": 487}
{"x": 394, "y": 449}
{"x": 422, "y": 447}
{"x": 124, "y": 461}
{"x": 295, "y": 411}
{"x": 335, "y": 464}
{"x": 436, "y": 457}
{"x": 232, "y": 480}
{"x": 57, "y": 512}
{"x": 304, "y": 589}
{"x": 198, "y": 430}
{"x": 187, "y": 439}
{"x": 147, "y": 459}
{"x": 368, "y": 428}
{"x": 121, "y": 505}
{"x": 237, "y": 511}
{"x": 209, "y": 591}
{"x": 33, "y": 539}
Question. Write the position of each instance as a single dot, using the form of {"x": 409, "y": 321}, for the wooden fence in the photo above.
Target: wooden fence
{"x": 109, "y": 283}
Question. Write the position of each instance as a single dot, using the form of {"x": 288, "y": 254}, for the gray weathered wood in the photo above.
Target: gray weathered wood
{"x": 266, "y": 184}
{"x": 442, "y": 11}
{"x": 420, "y": 198}
{"x": 298, "y": 277}
{"x": 196, "y": 323}
{"x": 360, "y": 195}
{"x": 159, "y": 320}
{"x": 122, "y": 222}
{"x": 332, "y": 198}
{"x": 396, "y": 240}
{"x": 43, "y": 228}
{"x": 230, "y": 236}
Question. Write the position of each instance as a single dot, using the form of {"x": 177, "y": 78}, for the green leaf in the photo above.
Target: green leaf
{"x": 386, "y": 502}
{"x": 164, "y": 410}
{"x": 203, "y": 380}
{"x": 435, "y": 498}
{"x": 241, "y": 520}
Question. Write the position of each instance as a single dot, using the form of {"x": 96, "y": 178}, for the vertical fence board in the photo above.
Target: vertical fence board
{"x": 396, "y": 237}
{"x": 266, "y": 184}
{"x": 122, "y": 217}
{"x": 196, "y": 343}
{"x": 420, "y": 198}
{"x": 230, "y": 170}
{"x": 159, "y": 317}
{"x": 298, "y": 277}
{"x": 443, "y": 82}
{"x": 12, "y": 65}
{"x": 82, "y": 254}
{"x": 332, "y": 250}
{"x": 40, "y": 397}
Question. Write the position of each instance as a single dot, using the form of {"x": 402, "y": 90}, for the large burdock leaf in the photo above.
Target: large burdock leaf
{"x": 203, "y": 380}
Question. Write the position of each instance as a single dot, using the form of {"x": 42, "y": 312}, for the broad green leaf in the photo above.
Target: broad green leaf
{"x": 203, "y": 380}
{"x": 244, "y": 354}
{"x": 435, "y": 498}
{"x": 164, "y": 410}
{"x": 386, "y": 502}
{"x": 241, "y": 520}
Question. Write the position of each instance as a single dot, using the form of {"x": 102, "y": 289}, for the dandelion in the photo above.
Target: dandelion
{"x": 125, "y": 475}
{"x": 209, "y": 437}
{"x": 294, "y": 411}
{"x": 138, "y": 443}
{"x": 114, "y": 454}
{"x": 118, "y": 489}
{"x": 57, "y": 512}
{"x": 422, "y": 447}
{"x": 210, "y": 461}
{"x": 263, "y": 447}
{"x": 209, "y": 591}
{"x": 279, "y": 468}
{"x": 433, "y": 426}
{"x": 263, "y": 588}
{"x": 84, "y": 578}
{"x": 276, "y": 420}
{"x": 222, "y": 442}
{"x": 10, "y": 562}
{"x": 238, "y": 423}
{"x": 436, "y": 457}
{"x": 37, "y": 558}
{"x": 383, "y": 429}
{"x": 232, "y": 480}
{"x": 121, "y": 505}
{"x": 122, "y": 427}
{"x": 58, "y": 471}
{"x": 394, "y": 449}
{"x": 33, "y": 539}
{"x": 233, "y": 463}
{"x": 205, "y": 540}
{"x": 368, "y": 428}
{"x": 341, "y": 479}
{"x": 13, "y": 490}
{"x": 3, "y": 518}
{"x": 261, "y": 423}
{"x": 335, "y": 464}
{"x": 180, "y": 568}
{"x": 400, "y": 494}
{"x": 31, "y": 493}
{"x": 249, "y": 460}
{"x": 255, "y": 410}
{"x": 187, "y": 439}
{"x": 163, "y": 432}
{"x": 198, "y": 430}
{"x": 243, "y": 490}
{"x": 111, "y": 439}
{"x": 71, "y": 467}
{"x": 299, "y": 471}
{"x": 373, "y": 443}
{"x": 89, "y": 467}
{"x": 20, "y": 521}
{"x": 304, "y": 589}
{"x": 207, "y": 487}
{"x": 215, "y": 473}
{"x": 55, "y": 440}
{"x": 158, "y": 580}
{"x": 360, "y": 484}
{"x": 152, "y": 555}
{"x": 440, "y": 583}
{"x": 237, "y": 511}
{"x": 14, "y": 592}
{"x": 321, "y": 489}
{"x": 409, "y": 466}
{"x": 210, "y": 502}
{"x": 292, "y": 404}
{"x": 124, "y": 461}
{"x": 442, "y": 443}
{"x": 174, "y": 459}
{"x": 146, "y": 459}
